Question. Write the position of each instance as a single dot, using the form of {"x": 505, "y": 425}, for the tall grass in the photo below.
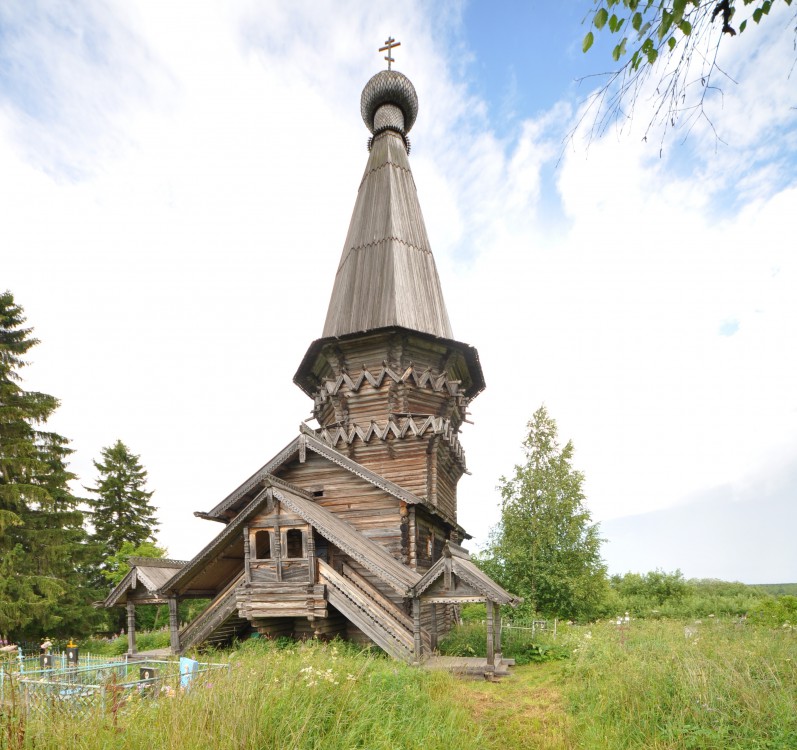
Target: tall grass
{"x": 470, "y": 639}
{"x": 654, "y": 684}
{"x": 665, "y": 685}
{"x": 304, "y": 696}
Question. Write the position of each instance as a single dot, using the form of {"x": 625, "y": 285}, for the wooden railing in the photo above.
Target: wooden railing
{"x": 370, "y": 611}
{"x": 222, "y": 606}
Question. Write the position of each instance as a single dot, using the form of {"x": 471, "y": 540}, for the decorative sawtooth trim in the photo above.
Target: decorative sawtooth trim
{"x": 156, "y": 562}
{"x": 257, "y": 478}
{"x": 400, "y": 241}
{"x": 323, "y": 448}
{"x": 428, "y": 378}
{"x": 404, "y": 137}
{"x": 384, "y": 164}
{"x": 399, "y": 429}
{"x": 429, "y": 577}
{"x": 488, "y": 588}
{"x": 121, "y": 588}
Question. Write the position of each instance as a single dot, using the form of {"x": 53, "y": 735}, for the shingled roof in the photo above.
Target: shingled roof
{"x": 151, "y": 572}
{"x": 238, "y": 498}
{"x": 370, "y": 554}
{"x": 387, "y": 274}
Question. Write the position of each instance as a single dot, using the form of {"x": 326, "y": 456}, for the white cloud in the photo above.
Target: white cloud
{"x": 177, "y": 282}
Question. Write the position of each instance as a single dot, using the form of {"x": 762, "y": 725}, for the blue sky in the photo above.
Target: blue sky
{"x": 178, "y": 178}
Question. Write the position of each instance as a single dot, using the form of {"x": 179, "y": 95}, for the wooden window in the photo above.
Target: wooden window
{"x": 294, "y": 543}
{"x": 263, "y": 545}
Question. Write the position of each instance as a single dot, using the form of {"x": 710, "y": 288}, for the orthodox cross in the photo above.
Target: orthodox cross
{"x": 390, "y": 43}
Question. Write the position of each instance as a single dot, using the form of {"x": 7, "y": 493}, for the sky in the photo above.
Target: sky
{"x": 176, "y": 181}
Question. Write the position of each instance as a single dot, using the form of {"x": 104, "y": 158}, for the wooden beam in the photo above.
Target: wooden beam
{"x": 174, "y": 625}
{"x": 247, "y": 555}
{"x": 131, "y": 628}
{"x": 416, "y": 629}
{"x": 311, "y": 553}
{"x": 277, "y": 551}
{"x": 497, "y": 631}
{"x": 490, "y": 640}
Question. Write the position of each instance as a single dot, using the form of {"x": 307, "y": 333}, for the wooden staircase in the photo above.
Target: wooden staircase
{"x": 371, "y": 611}
{"x": 219, "y": 623}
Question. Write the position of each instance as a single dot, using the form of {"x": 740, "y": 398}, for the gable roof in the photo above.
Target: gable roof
{"x": 456, "y": 560}
{"x": 307, "y": 440}
{"x": 342, "y": 534}
{"x": 217, "y": 546}
{"x": 151, "y": 572}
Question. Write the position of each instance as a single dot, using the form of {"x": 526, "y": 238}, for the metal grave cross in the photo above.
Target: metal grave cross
{"x": 390, "y": 44}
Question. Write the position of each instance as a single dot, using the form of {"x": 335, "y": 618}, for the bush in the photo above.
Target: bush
{"x": 775, "y": 612}
{"x": 470, "y": 639}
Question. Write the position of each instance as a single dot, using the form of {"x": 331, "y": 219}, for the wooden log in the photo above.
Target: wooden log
{"x": 247, "y": 555}
{"x": 174, "y": 625}
{"x": 490, "y": 639}
{"x": 416, "y": 630}
{"x": 131, "y": 627}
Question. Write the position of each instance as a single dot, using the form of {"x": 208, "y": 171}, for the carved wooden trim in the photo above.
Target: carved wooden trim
{"x": 397, "y": 427}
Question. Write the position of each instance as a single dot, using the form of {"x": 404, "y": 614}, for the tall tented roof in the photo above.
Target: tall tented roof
{"x": 387, "y": 274}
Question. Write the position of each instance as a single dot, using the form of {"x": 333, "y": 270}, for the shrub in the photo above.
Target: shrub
{"x": 775, "y": 612}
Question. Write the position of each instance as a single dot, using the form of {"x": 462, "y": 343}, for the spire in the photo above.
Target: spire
{"x": 386, "y": 315}
{"x": 387, "y": 274}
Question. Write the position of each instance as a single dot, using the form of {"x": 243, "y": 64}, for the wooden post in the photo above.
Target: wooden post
{"x": 247, "y": 556}
{"x": 416, "y": 628}
{"x": 497, "y": 632}
{"x": 434, "y": 633}
{"x": 277, "y": 551}
{"x": 131, "y": 627}
{"x": 174, "y": 625}
{"x": 490, "y": 641}
{"x": 412, "y": 530}
{"x": 311, "y": 553}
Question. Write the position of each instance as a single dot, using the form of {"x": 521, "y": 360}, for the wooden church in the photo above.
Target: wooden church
{"x": 351, "y": 530}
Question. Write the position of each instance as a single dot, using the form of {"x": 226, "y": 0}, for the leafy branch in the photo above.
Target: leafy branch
{"x": 679, "y": 41}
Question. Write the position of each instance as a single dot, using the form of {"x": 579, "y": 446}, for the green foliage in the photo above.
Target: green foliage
{"x": 470, "y": 639}
{"x": 43, "y": 546}
{"x": 304, "y": 697}
{"x": 724, "y": 687}
{"x": 727, "y": 686}
{"x": 117, "y": 565}
{"x": 777, "y": 588}
{"x": 545, "y": 548}
{"x": 775, "y": 612}
{"x": 683, "y": 35}
{"x": 121, "y": 512}
{"x": 664, "y": 24}
{"x": 668, "y": 595}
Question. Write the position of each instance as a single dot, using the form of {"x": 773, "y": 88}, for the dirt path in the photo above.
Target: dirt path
{"x": 525, "y": 711}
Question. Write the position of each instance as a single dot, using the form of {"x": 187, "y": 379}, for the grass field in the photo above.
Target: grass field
{"x": 658, "y": 685}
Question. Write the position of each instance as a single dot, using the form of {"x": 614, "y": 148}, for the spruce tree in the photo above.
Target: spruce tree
{"x": 42, "y": 540}
{"x": 121, "y": 511}
{"x": 546, "y": 549}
